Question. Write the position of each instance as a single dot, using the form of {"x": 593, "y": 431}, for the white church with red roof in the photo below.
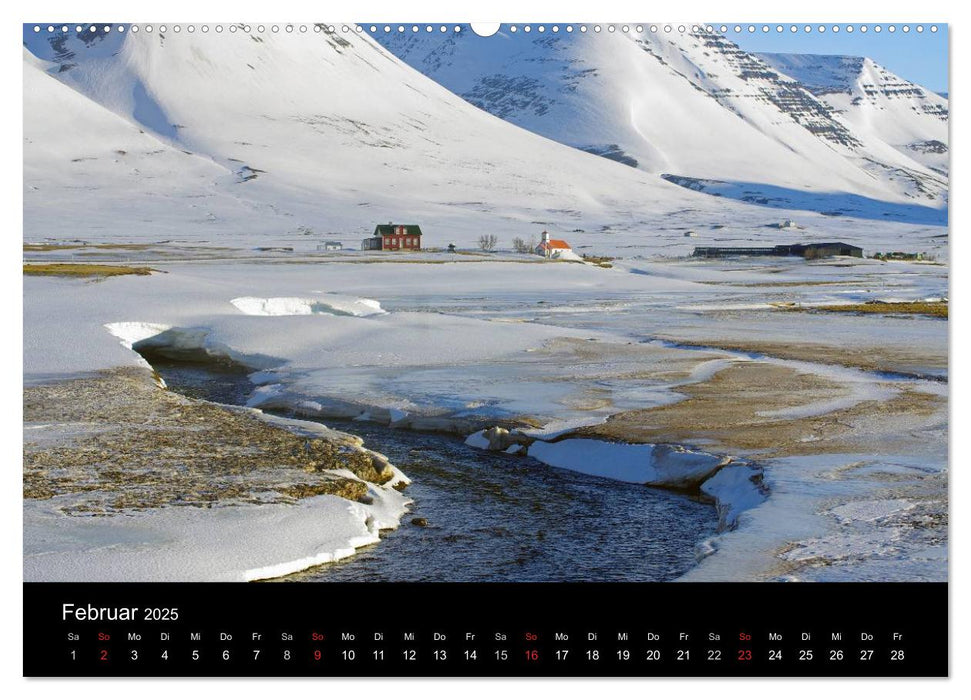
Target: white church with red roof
{"x": 555, "y": 248}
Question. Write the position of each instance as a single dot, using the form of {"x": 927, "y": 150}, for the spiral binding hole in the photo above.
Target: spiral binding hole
{"x": 526, "y": 28}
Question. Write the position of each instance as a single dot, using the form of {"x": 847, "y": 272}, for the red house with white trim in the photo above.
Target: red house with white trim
{"x": 394, "y": 237}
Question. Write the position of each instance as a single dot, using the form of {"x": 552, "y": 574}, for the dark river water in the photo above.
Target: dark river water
{"x": 494, "y": 517}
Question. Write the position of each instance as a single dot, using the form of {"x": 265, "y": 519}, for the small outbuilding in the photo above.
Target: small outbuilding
{"x": 826, "y": 250}
{"x": 394, "y": 237}
{"x": 330, "y": 245}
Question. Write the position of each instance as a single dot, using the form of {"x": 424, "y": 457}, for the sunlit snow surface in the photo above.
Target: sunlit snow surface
{"x": 694, "y": 105}
{"x": 233, "y": 543}
{"x": 497, "y": 340}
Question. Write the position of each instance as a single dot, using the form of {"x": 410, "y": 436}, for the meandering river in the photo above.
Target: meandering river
{"x": 494, "y": 517}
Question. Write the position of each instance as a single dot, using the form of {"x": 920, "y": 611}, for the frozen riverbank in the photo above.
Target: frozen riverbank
{"x": 229, "y": 543}
{"x": 481, "y": 516}
{"x": 125, "y": 481}
{"x": 559, "y": 349}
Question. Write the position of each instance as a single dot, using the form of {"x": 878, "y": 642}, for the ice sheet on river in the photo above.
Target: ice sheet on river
{"x": 183, "y": 543}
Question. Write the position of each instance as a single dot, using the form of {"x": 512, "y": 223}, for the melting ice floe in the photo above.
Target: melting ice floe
{"x": 140, "y": 336}
{"x": 734, "y": 487}
{"x": 334, "y": 305}
{"x": 655, "y": 465}
{"x": 132, "y": 332}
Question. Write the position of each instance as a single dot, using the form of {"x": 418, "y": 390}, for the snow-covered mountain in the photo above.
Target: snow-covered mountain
{"x": 871, "y": 99}
{"x": 89, "y": 172}
{"x": 317, "y": 129}
{"x": 693, "y": 107}
{"x": 193, "y": 135}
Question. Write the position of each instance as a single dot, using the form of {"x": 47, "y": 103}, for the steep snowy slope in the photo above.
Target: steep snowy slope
{"x": 87, "y": 170}
{"x": 691, "y": 106}
{"x": 873, "y": 100}
{"x": 821, "y": 74}
{"x": 327, "y": 130}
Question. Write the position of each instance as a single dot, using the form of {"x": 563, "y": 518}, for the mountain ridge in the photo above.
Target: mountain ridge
{"x": 265, "y": 133}
{"x": 589, "y": 92}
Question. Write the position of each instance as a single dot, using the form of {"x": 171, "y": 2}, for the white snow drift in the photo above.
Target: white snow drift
{"x": 296, "y": 306}
{"x": 182, "y": 543}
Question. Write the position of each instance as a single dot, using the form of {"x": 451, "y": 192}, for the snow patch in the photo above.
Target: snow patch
{"x": 478, "y": 440}
{"x": 860, "y": 392}
{"x": 556, "y": 428}
{"x": 870, "y": 510}
{"x": 132, "y": 332}
{"x": 654, "y": 465}
{"x": 735, "y": 488}
{"x": 843, "y": 546}
{"x": 299, "y": 306}
{"x": 231, "y": 543}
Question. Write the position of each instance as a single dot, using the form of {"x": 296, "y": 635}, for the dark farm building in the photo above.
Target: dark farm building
{"x": 806, "y": 250}
{"x": 394, "y": 237}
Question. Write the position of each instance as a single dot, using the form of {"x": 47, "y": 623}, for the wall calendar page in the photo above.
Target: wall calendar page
{"x": 532, "y": 349}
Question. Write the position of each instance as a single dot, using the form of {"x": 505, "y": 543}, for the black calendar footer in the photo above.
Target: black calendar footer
{"x": 535, "y": 629}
